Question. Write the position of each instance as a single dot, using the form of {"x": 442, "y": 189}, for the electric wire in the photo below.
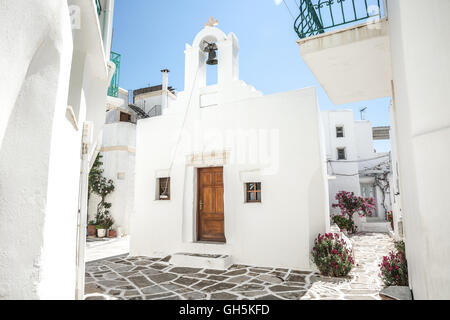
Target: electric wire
{"x": 181, "y": 130}
{"x": 361, "y": 160}
{"x": 290, "y": 12}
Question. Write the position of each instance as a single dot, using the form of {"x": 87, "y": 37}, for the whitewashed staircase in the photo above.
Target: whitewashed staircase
{"x": 375, "y": 226}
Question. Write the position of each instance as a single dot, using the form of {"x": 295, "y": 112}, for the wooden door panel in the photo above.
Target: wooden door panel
{"x": 210, "y": 207}
{"x": 206, "y": 178}
{"x": 219, "y": 200}
{"x": 208, "y": 199}
{"x": 218, "y": 178}
{"x": 212, "y": 228}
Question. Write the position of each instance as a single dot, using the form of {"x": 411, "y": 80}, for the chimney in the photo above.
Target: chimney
{"x": 165, "y": 79}
{"x": 165, "y": 88}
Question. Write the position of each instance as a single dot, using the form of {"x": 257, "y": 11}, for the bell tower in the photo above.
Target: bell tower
{"x": 208, "y": 41}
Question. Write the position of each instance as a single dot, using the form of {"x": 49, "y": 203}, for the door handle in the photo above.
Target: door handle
{"x": 201, "y": 204}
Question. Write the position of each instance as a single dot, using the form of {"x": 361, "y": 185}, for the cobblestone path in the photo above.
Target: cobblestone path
{"x": 153, "y": 278}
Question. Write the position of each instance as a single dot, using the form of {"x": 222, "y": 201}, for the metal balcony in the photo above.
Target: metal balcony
{"x": 113, "y": 90}
{"x": 99, "y": 7}
{"x": 319, "y": 16}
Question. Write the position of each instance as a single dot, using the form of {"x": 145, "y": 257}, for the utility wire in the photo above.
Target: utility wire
{"x": 290, "y": 12}
{"x": 181, "y": 129}
{"x": 360, "y": 160}
{"x": 355, "y": 174}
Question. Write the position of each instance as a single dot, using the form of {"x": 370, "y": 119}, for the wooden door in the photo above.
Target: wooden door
{"x": 210, "y": 215}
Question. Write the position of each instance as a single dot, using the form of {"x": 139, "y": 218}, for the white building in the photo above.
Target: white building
{"x": 352, "y": 163}
{"x": 118, "y": 151}
{"x": 394, "y": 55}
{"x": 119, "y": 145}
{"x": 55, "y": 74}
{"x": 229, "y": 172}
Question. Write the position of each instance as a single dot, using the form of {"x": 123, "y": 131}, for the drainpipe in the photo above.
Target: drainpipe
{"x": 82, "y": 211}
{"x": 108, "y": 15}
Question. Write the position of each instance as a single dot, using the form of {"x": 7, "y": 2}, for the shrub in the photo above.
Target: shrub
{"x": 102, "y": 187}
{"x": 400, "y": 246}
{"x": 331, "y": 255}
{"x": 394, "y": 268}
{"x": 349, "y": 204}
{"x": 344, "y": 223}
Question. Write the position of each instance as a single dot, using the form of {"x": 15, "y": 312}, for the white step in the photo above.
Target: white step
{"x": 196, "y": 260}
{"x": 383, "y": 227}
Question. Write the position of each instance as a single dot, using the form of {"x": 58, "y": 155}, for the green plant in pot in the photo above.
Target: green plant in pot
{"x": 108, "y": 223}
{"x": 91, "y": 228}
{"x": 101, "y": 230}
{"x": 101, "y": 186}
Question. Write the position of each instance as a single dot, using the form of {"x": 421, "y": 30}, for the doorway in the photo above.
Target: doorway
{"x": 210, "y": 208}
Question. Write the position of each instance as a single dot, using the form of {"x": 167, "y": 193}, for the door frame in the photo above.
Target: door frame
{"x": 197, "y": 203}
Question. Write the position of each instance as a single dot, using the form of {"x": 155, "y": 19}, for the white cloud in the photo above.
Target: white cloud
{"x": 277, "y": 2}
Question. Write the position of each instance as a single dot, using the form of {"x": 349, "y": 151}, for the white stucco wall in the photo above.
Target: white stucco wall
{"x": 41, "y": 142}
{"x": 396, "y": 199}
{"x": 364, "y": 139}
{"x": 421, "y": 80}
{"x": 344, "y": 174}
{"x": 267, "y": 233}
{"x": 34, "y": 154}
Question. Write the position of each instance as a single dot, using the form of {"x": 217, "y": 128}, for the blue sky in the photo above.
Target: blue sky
{"x": 151, "y": 35}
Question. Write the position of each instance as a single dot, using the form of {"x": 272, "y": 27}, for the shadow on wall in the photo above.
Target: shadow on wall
{"x": 319, "y": 221}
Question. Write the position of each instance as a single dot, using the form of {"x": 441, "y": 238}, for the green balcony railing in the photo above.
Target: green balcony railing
{"x": 113, "y": 89}
{"x": 318, "y": 16}
{"x": 99, "y": 7}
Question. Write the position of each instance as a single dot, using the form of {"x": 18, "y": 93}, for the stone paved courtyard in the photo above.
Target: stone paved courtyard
{"x": 139, "y": 278}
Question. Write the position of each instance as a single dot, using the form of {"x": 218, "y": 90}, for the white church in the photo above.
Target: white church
{"x": 227, "y": 175}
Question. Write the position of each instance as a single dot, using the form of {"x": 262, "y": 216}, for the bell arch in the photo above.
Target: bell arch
{"x": 227, "y": 56}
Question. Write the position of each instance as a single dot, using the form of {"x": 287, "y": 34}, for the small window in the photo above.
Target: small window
{"x": 125, "y": 117}
{"x": 341, "y": 154}
{"x": 253, "y": 192}
{"x": 164, "y": 189}
{"x": 339, "y": 132}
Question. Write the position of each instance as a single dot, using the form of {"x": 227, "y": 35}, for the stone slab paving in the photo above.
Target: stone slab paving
{"x": 138, "y": 278}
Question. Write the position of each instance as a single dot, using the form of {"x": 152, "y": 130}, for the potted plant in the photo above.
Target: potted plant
{"x": 112, "y": 233}
{"x": 101, "y": 230}
{"x": 108, "y": 223}
{"x": 101, "y": 186}
{"x": 91, "y": 228}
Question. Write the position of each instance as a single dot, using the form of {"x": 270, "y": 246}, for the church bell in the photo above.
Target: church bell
{"x": 212, "y": 55}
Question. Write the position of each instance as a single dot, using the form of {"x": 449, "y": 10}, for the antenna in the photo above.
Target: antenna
{"x": 361, "y": 111}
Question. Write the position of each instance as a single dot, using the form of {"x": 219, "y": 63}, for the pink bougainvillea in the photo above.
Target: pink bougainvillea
{"x": 394, "y": 268}
{"x": 349, "y": 204}
{"x": 332, "y": 256}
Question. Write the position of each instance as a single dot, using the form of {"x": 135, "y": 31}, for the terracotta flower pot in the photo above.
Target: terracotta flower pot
{"x": 91, "y": 230}
{"x": 112, "y": 233}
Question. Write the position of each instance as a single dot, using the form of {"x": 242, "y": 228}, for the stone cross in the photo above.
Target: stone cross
{"x": 212, "y": 22}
